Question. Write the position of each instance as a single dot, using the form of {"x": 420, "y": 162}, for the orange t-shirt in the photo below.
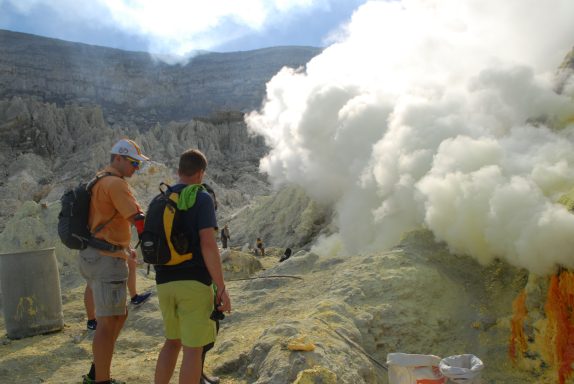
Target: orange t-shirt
{"x": 111, "y": 197}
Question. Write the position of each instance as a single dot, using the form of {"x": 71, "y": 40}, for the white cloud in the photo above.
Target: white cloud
{"x": 436, "y": 113}
{"x": 24, "y": 5}
{"x": 178, "y": 27}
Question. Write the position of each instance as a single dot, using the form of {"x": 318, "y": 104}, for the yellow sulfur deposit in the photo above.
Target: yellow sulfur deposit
{"x": 316, "y": 374}
{"x": 517, "y": 338}
{"x": 300, "y": 344}
{"x": 567, "y": 200}
{"x": 559, "y": 333}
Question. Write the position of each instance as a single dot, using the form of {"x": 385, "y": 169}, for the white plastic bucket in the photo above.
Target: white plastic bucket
{"x": 414, "y": 369}
{"x": 462, "y": 369}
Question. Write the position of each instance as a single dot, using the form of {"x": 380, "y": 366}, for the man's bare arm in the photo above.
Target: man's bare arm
{"x": 212, "y": 261}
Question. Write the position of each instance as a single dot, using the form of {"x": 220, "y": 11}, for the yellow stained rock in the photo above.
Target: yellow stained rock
{"x": 316, "y": 374}
{"x": 300, "y": 344}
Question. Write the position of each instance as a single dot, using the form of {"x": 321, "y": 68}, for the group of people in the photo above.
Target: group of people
{"x": 189, "y": 293}
{"x": 225, "y": 237}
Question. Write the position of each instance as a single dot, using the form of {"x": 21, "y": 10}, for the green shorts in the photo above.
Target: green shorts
{"x": 185, "y": 307}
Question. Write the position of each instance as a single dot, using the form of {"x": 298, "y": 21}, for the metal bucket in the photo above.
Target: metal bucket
{"x": 31, "y": 302}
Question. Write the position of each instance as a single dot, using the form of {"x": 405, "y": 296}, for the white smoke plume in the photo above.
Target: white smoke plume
{"x": 437, "y": 114}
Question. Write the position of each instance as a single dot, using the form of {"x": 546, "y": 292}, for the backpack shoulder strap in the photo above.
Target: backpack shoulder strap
{"x": 97, "y": 178}
{"x": 89, "y": 188}
{"x": 169, "y": 194}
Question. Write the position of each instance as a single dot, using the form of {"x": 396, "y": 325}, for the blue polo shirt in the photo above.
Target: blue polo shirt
{"x": 196, "y": 218}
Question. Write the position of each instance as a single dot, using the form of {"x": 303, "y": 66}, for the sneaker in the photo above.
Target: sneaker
{"x": 139, "y": 299}
{"x": 92, "y": 324}
{"x": 209, "y": 379}
{"x": 88, "y": 380}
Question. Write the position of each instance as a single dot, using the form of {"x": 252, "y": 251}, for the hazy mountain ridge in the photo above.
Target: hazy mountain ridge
{"x": 134, "y": 86}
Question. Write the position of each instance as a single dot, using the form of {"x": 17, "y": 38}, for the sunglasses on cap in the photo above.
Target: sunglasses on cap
{"x": 135, "y": 163}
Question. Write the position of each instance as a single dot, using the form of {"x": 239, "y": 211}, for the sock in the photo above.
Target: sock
{"x": 92, "y": 373}
{"x": 104, "y": 382}
{"x": 134, "y": 296}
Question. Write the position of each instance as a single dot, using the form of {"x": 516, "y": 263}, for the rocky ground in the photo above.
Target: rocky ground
{"x": 415, "y": 298}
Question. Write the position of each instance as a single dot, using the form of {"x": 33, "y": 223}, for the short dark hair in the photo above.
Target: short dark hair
{"x": 191, "y": 162}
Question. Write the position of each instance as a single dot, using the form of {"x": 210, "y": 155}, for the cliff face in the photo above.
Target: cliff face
{"x": 134, "y": 86}
{"x": 63, "y": 105}
{"x": 564, "y": 77}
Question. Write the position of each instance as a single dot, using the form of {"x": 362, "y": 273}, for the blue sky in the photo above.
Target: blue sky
{"x": 180, "y": 26}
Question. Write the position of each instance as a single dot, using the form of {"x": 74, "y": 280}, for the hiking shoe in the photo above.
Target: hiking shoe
{"x": 139, "y": 299}
{"x": 87, "y": 380}
{"x": 92, "y": 324}
{"x": 209, "y": 379}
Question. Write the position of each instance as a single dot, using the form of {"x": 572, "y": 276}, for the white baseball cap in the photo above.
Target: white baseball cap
{"x": 126, "y": 147}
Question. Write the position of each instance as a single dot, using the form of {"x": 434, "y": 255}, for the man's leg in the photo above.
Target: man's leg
{"x": 136, "y": 299}
{"x": 110, "y": 297}
{"x": 166, "y": 361}
{"x": 132, "y": 266}
{"x": 104, "y": 342}
{"x": 191, "y": 366}
{"x": 89, "y": 303}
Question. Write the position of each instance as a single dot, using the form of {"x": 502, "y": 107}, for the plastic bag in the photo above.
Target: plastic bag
{"x": 414, "y": 369}
{"x": 462, "y": 369}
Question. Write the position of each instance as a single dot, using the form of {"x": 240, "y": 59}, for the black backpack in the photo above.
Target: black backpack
{"x": 73, "y": 226}
{"x": 162, "y": 243}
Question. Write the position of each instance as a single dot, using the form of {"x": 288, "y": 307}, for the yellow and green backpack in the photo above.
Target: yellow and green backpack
{"x": 162, "y": 243}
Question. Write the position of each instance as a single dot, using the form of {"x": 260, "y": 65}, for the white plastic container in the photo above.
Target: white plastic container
{"x": 462, "y": 369}
{"x": 414, "y": 369}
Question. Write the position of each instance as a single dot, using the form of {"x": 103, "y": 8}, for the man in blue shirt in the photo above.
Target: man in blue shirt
{"x": 185, "y": 290}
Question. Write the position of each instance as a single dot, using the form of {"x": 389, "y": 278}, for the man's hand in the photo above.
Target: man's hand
{"x": 223, "y": 301}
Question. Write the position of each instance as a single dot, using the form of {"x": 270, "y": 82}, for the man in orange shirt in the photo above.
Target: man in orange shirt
{"x": 113, "y": 208}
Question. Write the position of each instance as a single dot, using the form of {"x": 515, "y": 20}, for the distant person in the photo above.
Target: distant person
{"x": 286, "y": 255}
{"x": 136, "y": 299}
{"x": 260, "y": 246}
{"x": 225, "y": 236}
{"x": 185, "y": 292}
{"x": 104, "y": 262}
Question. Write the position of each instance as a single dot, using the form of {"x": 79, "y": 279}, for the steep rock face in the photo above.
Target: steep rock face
{"x": 62, "y": 105}
{"x": 288, "y": 218}
{"x": 45, "y": 148}
{"x": 133, "y": 84}
{"x": 564, "y": 77}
